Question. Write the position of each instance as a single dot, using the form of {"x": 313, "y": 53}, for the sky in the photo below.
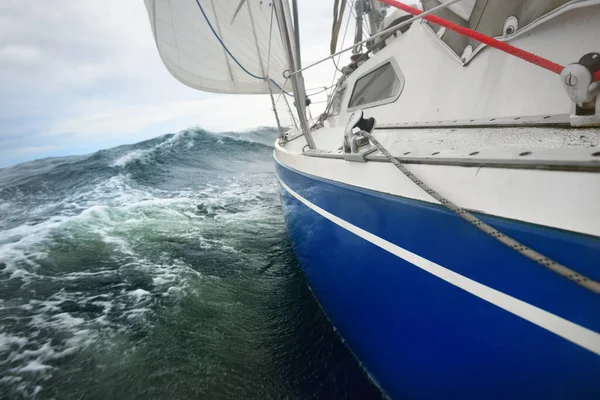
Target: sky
{"x": 77, "y": 76}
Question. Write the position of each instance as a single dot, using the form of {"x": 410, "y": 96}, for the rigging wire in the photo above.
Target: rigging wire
{"x": 323, "y": 89}
{"x": 264, "y": 78}
{"x": 281, "y": 131}
{"x": 334, "y": 84}
{"x": 282, "y": 92}
{"x": 365, "y": 24}
{"x": 343, "y": 41}
{"x": 384, "y": 32}
{"x": 269, "y": 48}
{"x": 338, "y": 14}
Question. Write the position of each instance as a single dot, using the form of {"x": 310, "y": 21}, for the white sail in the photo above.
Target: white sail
{"x": 225, "y": 46}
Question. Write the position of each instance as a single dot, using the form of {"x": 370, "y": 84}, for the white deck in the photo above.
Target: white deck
{"x": 500, "y": 175}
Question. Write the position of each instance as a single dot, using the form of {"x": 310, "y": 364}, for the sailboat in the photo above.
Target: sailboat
{"x": 445, "y": 206}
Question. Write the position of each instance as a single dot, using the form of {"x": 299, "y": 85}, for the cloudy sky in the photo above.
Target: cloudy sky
{"x": 81, "y": 75}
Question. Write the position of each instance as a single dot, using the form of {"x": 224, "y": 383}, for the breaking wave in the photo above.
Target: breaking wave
{"x": 129, "y": 269}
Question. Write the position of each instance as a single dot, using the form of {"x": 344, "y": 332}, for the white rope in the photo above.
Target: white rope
{"x": 493, "y": 232}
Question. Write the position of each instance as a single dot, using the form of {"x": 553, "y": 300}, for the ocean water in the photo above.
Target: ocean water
{"x": 160, "y": 270}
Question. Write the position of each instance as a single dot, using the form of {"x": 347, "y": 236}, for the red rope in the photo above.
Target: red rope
{"x": 480, "y": 37}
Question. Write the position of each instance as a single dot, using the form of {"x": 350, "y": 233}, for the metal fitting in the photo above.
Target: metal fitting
{"x": 578, "y": 79}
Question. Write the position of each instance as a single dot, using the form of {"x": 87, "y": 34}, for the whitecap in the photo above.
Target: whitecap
{"x": 35, "y": 366}
{"x": 136, "y": 155}
{"x": 139, "y": 294}
{"x": 8, "y": 341}
{"x": 141, "y": 155}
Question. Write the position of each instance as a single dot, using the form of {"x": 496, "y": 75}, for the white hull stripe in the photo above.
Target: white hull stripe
{"x": 568, "y": 330}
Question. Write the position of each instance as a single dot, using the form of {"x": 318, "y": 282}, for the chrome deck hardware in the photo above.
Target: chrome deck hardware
{"x": 356, "y": 145}
{"x": 578, "y": 81}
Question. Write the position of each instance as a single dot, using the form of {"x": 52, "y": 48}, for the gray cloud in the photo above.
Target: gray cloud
{"x": 80, "y": 75}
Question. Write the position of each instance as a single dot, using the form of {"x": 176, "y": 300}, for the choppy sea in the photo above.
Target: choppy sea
{"x": 160, "y": 270}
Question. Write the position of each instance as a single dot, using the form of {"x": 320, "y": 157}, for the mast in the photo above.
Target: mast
{"x": 358, "y": 34}
{"x": 292, "y": 50}
{"x": 297, "y": 33}
{"x": 375, "y": 20}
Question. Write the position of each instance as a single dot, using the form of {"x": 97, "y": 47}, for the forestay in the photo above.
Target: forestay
{"x": 188, "y": 34}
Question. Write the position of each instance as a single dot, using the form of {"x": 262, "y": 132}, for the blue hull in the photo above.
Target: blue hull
{"x": 470, "y": 318}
